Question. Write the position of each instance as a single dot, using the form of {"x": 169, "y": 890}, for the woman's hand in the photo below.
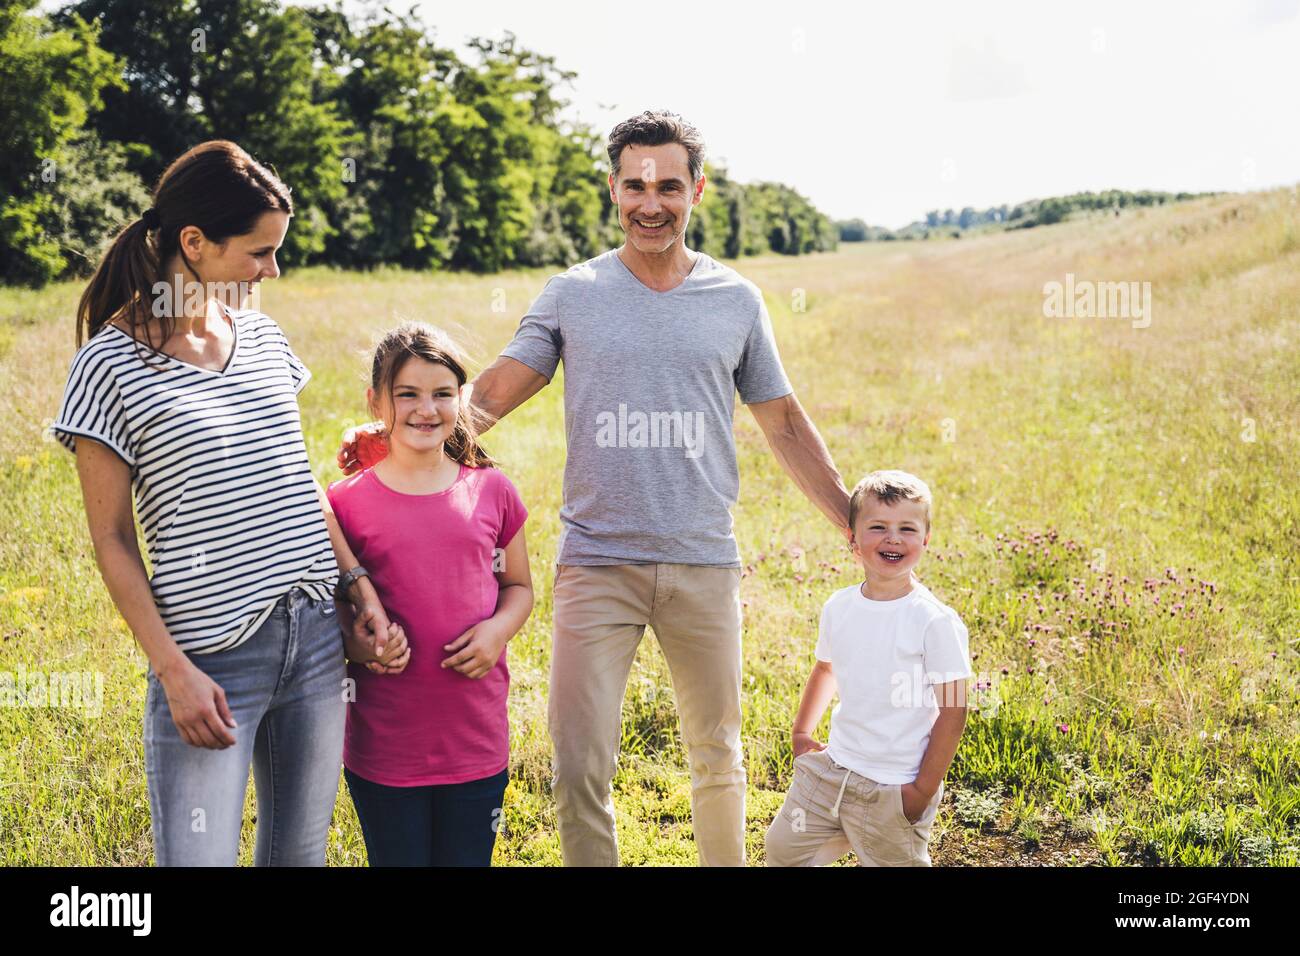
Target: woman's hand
{"x": 477, "y": 651}
{"x": 362, "y": 447}
{"x": 392, "y": 658}
{"x": 198, "y": 706}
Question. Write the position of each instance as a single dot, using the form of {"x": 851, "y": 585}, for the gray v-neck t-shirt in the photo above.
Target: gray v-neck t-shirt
{"x": 650, "y": 380}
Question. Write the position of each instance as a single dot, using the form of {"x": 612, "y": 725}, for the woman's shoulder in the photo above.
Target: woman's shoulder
{"x": 254, "y": 320}
{"x": 109, "y": 347}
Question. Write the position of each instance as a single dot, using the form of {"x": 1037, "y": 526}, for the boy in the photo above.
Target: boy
{"x": 899, "y": 658}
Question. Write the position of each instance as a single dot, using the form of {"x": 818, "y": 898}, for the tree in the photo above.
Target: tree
{"x": 51, "y": 80}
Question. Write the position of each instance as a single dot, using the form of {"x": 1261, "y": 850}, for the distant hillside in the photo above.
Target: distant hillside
{"x": 1025, "y": 215}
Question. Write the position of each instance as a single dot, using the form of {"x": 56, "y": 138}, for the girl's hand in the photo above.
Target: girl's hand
{"x": 391, "y": 659}
{"x": 362, "y": 447}
{"x": 198, "y": 706}
{"x": 397, "y": 654}
{"x": 477, "y": 651}
{"x": 370, "y": 626}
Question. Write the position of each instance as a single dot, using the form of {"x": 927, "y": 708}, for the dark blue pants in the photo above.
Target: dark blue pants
{"x": 453, "y": 824}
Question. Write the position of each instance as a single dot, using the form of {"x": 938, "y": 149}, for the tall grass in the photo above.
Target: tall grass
{"x": 1115, "y": 519}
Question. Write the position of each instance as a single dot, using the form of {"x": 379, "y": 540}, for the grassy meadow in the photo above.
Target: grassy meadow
{"x": 1116, "y": 520}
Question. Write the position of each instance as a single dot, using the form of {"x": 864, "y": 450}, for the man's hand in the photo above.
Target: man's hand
{"x": 477, "y": 651}
{"x": 362, "y": 447}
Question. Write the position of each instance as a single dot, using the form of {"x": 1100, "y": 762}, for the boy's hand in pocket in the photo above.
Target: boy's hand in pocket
{"x": 804, "y": 743}
{"x": 914, "y": 802}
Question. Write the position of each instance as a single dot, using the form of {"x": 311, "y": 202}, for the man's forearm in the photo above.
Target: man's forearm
{"x": 501, "y": 388}
{"x": 799, "y": 448}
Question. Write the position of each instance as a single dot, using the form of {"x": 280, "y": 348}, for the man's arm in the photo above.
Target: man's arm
{"x": 501, "y": 388}
{"x": 799, "y": 448}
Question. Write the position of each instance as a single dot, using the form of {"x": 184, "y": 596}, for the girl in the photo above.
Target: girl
{"x": 183, "y": 399}
{"x": 440, "y": 529}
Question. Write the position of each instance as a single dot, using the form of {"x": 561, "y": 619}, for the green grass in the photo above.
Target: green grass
{"x": 1115, "y": 519}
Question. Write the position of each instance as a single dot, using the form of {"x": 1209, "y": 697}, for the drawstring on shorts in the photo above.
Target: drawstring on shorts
{"x": 835, "y": 810}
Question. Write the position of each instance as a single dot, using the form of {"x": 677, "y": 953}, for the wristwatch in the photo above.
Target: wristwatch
{"x": 347, "y": 580}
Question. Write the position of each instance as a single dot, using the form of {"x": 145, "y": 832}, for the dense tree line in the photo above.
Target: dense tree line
{"x": 398, "y": 150}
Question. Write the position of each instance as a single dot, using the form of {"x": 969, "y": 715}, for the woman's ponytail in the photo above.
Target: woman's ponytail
{"x": 125, "y": 276}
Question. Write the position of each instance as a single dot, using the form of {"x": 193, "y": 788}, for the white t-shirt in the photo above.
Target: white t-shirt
{"x": 886, "y": 657}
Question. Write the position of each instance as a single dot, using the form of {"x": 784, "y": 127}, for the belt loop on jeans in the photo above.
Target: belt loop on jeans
{"x": 835, "y": 810}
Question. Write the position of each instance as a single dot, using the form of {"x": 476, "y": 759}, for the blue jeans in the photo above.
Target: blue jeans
{"x": 451, "y": 824}
{"x": 284, "y": 686}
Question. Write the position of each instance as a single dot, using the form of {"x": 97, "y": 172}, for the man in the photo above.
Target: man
{"x": 656, "y": 340}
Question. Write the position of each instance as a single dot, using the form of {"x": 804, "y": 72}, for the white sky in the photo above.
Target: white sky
{"x": 885, "y": 110}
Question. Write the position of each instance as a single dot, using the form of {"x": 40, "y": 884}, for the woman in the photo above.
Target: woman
{"x": 189, "y": 402}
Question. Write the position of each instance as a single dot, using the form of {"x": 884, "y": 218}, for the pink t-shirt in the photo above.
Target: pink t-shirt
{"x": 431, "y": 559}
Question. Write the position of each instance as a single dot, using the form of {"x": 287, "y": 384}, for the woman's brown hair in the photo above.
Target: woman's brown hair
{"x": 418, "y": 340}
{"x": 216, "y": 186}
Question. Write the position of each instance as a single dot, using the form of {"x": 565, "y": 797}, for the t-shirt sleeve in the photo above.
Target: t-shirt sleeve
{"x": 537, "y": 342}
{"x": 760, "y": 376}
{"x": 823, "y": 651}
{"x": 513, "y": 512}
{"x": 299, "y": 373}
{"x": 92, "y": 407}
{"x": 946, "y": 652}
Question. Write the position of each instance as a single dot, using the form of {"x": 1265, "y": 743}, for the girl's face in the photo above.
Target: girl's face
{"x": 425, "y": 404}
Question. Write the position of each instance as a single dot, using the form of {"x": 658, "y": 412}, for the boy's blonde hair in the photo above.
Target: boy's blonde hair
{"x": 890, "y": 486}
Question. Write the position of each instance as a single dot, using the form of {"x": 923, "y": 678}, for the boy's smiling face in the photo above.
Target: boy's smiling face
{"x": 888, "y": 540}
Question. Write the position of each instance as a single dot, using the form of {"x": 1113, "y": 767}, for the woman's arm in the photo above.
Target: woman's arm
{"x": 370, "y": 628}
{"x": 477, "y": 651}
{"x": 198, "y": 704}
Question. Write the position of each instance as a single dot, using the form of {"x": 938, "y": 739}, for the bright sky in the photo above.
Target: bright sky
{"x": 885, "y": 110}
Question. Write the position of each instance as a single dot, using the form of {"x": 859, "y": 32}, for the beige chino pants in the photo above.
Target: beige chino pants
{"x": 601, "y": 614}
{"x": 830, "y": 810}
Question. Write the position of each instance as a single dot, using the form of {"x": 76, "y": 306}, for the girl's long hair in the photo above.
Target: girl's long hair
{"x": 216, "y": 186}
{"x": 419, "y": 340}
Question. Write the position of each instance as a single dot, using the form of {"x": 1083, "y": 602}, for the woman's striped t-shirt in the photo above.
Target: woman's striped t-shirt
{"x": 223, "y": 487}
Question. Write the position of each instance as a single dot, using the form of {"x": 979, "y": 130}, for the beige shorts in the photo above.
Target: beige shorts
{"x": 824, "y": 816}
